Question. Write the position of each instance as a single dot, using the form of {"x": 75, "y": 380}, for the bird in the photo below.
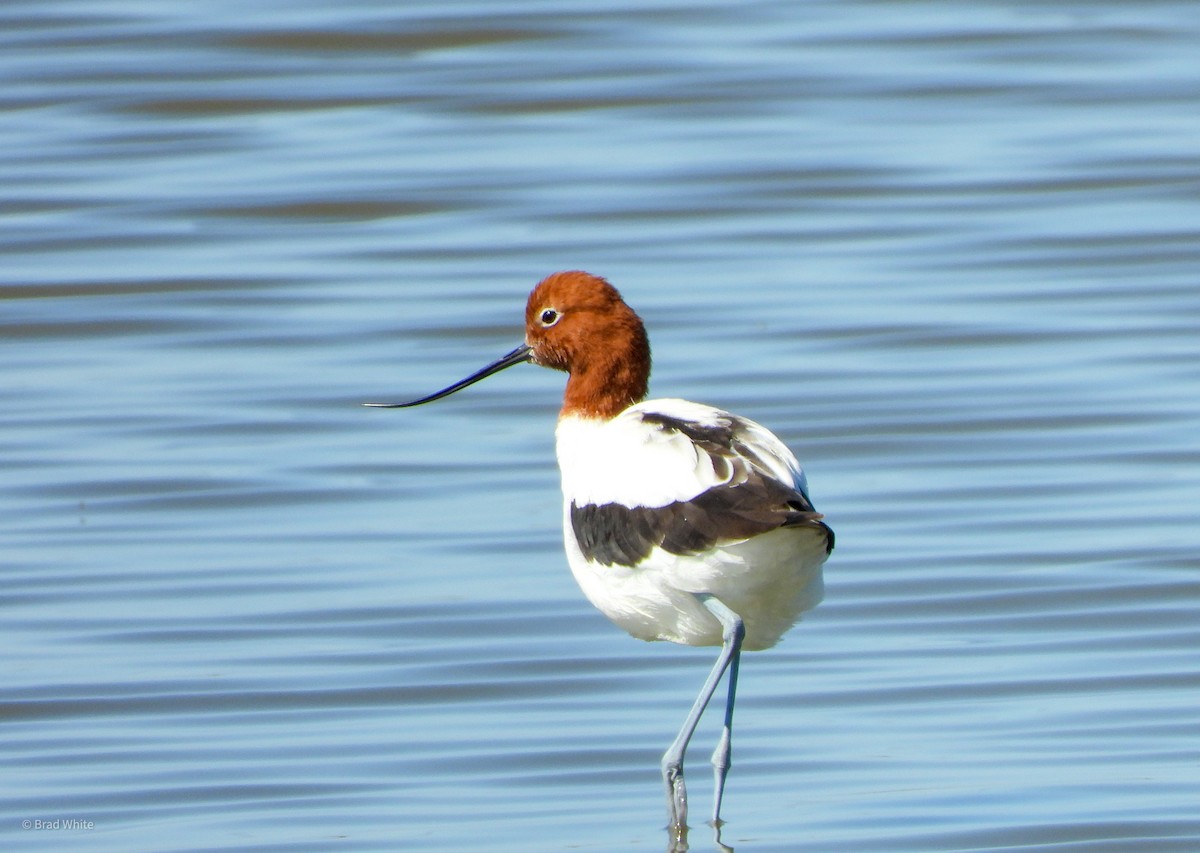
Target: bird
{"x": 681, "y": 522}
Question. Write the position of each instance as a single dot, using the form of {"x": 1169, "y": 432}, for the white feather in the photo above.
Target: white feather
{"x": 769, "y": 579}
{"x": 628, "y": 461}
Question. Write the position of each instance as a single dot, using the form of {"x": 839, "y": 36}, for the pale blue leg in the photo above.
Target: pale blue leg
{"x": 720, "y": 757}
{"x": 672, "y": 762}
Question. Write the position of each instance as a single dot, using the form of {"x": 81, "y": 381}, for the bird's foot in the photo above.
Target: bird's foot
{"x": 677, "y": 839}
{"x": 676, "y": 798}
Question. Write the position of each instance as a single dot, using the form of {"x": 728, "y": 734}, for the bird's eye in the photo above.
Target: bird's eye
{"x": 549, "y": 317}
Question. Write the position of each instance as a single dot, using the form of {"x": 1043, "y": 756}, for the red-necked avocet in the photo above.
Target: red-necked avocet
{"x": 682, "y": 522}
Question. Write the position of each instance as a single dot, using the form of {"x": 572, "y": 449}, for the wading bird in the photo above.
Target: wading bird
{"x": 682, "y": 522}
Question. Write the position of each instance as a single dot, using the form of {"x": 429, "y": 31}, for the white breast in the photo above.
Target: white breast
{"x": 625, "y": 460}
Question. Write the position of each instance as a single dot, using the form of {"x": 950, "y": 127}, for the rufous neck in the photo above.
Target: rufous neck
{"x": 608, "y": 384}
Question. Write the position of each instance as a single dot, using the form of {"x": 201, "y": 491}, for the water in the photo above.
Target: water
{"x": 949, "y": 252}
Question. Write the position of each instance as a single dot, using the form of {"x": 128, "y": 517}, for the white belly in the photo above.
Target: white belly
{"x": 768, "y": 580}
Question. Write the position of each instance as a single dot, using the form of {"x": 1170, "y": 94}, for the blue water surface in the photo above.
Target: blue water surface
{"x": 949, "y": 252}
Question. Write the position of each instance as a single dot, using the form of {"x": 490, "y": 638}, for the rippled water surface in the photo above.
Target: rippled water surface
{"x": 949, "y": 252}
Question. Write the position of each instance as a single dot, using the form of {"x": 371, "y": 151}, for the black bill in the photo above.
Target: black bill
{"x": 518, "y": 356}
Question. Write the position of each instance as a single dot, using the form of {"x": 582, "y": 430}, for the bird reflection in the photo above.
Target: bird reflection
{"x": 677, "y": 839}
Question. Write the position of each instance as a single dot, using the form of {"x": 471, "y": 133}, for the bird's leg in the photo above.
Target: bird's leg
{"x": 734, "y": 633}
{"x": 672, "y": 762}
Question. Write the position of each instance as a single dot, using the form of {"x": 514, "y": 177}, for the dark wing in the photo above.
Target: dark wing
{"x": 750, "y": 502}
